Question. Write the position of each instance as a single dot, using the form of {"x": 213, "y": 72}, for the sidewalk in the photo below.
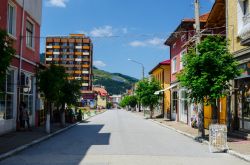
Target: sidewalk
{"x": 237, "y": 147}
{"x": 13, "y": 142}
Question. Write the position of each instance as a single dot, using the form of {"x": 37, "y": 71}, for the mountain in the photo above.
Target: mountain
{"x": 115, "y": 83}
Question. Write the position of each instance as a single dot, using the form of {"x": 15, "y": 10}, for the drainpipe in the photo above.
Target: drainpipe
{"x": 20, "y": 62}
{"x": 163, "y": 99}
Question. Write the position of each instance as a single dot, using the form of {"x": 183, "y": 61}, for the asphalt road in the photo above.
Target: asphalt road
{"x": 118, "y": 137}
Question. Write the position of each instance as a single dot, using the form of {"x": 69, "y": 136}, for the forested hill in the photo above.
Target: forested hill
{"x": 115, "y": 83}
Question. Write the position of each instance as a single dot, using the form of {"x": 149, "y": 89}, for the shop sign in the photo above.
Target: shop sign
{"x": 246, "y": 69}
{"x": 218, "y": 138}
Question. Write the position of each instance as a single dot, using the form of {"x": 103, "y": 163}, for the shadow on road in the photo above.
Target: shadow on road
{"x": 69, "y": 147}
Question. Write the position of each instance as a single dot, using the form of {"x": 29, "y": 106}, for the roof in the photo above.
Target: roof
{"x": 166, "y": 62}
{"x": 217, "y": 16}
{"x": 185, "y": 23}
{"x": 100, "y": 91}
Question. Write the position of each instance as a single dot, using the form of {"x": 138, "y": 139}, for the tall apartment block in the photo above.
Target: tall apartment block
{"x": 75, "y": 53}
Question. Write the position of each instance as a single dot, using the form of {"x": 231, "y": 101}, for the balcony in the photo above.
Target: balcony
{"x": 56, "y": 47}
{"x": 78, "y": 53}
{"x": 78, "y": 72}
{"x": 85, "y": 53}
{"x": 86, "y": 47}
{"x": 86, "y": 40}
{"x": 85, "y": 78}
{"x": 85, "y": 66}
{"x": 70, "y": 78}
{"x": 244, "y": 32}
{"x": 49, "y": 53}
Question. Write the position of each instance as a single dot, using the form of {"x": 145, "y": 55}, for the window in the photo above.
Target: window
{"x": 181, "y": 57}
{"x": 245, "y": 7}
{"x": 174, "y": 69}
{"x": 183, "y": 38}
{"x": 29, "y": 34}
{"x": 7, "y": 98}
{"x": 11, "y": 19}
{"x": 174, "y": 45}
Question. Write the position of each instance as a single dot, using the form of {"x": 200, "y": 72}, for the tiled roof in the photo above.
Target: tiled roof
{"x": 166, "y": 62}
{"x": 100, "y": 91}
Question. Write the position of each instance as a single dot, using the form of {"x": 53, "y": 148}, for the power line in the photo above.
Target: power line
{"x": 136, "y": 35}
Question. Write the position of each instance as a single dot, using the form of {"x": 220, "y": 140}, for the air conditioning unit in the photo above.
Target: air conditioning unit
{"x": 26, "y": 82}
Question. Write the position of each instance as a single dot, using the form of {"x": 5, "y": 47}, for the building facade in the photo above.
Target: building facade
{"x": 161, "y": 73}
{"x": 22, "y": 20}
{"x": 75, "y": 53}
{"x": 238, "y": 33}
{"x": 101, "y": 97}
{"x": 179, "y": 42}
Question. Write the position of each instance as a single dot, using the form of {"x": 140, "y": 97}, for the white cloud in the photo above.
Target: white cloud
{"x": 56, "y": 3}
{"x": 104, "y": 31}
{"x": 153, "y": 42}
{"x": 137, "y": 44}
{"x": 99, "y": 63}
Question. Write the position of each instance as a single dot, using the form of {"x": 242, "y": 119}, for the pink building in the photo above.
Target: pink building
{"x": 22, "y": 20}
{"x": 178, "y": 42}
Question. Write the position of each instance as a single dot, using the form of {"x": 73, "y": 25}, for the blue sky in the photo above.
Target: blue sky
{"x": 120, "y": 29}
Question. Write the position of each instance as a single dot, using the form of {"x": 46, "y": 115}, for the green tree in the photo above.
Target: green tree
{"x": 6, "y": 54}
{"x": 50, "y": 82}
{"x": 69, "y": 94}
{"x": 132, "y": 101}
{"x": 124, "y": 102}
{"x": 206, "y": 75}
{"x": 145, "y": 92}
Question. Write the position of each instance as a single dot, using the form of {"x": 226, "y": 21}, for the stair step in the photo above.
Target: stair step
{"x": 240, "y": 134}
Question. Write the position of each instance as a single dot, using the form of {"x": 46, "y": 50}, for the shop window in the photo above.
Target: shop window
{"x": 7, "y": 97}
{"x": 174, "y": 102}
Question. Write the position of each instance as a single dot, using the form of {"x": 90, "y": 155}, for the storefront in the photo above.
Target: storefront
{"x": 242, "y": 85}
{"x": 174, "y": 104}
{"x": 8, "y": 103}
{"x": 183, "y": 106}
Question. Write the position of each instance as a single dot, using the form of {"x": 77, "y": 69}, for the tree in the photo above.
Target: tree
{"x": 132, "y": 101}
{"x": 7, "y": 52}
{"x": 51, "y": 82}
{"x": 145, "y": 92}
{"x": 124, "y": 102}
{"x": 206, "y": 75}
{"x": 69, "y": 94}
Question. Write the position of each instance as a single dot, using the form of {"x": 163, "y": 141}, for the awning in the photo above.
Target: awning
{"x": 171, "y": 86}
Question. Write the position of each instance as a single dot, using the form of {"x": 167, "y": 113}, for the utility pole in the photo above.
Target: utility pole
{"x": 197, "y": 23}
{"x": 201, "y": 132}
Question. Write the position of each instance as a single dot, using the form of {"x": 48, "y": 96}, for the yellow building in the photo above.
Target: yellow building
{"x": 161, "y": 72}
{"x": 238, "y": 33}
{"x": 101, "y": 97}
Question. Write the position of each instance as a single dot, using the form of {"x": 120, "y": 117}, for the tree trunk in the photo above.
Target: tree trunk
{"x": 48, "y": 117}
{"x": 214, "y": 112}
{"x": 63, "y": 115}
{"x": 201, "y": 131}
{"x": 151, "y": 111}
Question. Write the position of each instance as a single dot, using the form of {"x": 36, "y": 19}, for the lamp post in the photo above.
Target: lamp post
{"x": 139, "y": 64}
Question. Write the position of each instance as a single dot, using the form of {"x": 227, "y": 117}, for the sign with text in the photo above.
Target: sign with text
{"x": 218, "y": 138}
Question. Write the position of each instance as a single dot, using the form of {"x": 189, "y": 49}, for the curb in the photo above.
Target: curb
{"x": 25, "y": 146}
{"x": 230, "y": 152}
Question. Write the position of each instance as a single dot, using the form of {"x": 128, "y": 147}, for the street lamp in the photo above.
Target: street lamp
{"x": 140, "y": 64}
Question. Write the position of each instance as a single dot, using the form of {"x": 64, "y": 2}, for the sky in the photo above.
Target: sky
{"x": 120, "y": 29}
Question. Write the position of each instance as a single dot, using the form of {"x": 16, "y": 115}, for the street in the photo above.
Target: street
{"x": 120, "y": 137}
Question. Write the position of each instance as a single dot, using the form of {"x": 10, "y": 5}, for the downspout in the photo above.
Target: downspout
{"x": 163, "y": 98}
{"x": 20, "y": 62}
